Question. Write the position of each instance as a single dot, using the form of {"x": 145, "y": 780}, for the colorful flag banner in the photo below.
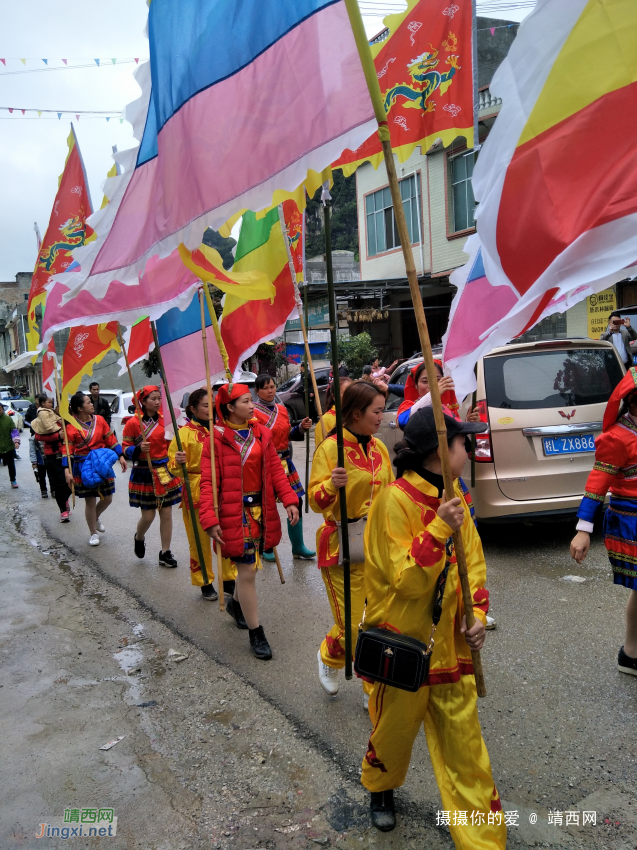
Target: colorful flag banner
{"x": 294, "y": 68}
{"x": 67, "y": 230}
{"x": 49, "y": 365}
{"x": 179, "y": 335}
{"x": 556, "y": 180}
{"x": 246, "y": 324}
{"x": 295, "y": 230}
{"x": 139, "y": 342}
{"x": 87, "y": 345}
{"x": 207, "y": 264}
{"x": 425, "y": 71}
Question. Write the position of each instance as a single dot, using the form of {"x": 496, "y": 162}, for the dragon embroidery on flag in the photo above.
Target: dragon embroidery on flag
{"x": 426, "y": 80}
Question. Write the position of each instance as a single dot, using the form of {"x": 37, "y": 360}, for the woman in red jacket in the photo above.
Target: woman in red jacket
{"x": 249, "y": 478}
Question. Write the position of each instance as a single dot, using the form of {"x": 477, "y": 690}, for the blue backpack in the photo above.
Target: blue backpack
{"x": 98, "y": 467}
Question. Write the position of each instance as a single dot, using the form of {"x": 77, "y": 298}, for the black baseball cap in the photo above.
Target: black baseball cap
{"x": 420, "y": 431}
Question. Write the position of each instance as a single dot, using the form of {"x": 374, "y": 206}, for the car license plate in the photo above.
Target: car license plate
{"x": 569, "y": 445}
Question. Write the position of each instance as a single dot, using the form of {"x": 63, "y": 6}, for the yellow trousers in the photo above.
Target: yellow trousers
{"x": 333, "y": 647}
{"x": 196, "y": 576}
{"x": 458, "y": 755}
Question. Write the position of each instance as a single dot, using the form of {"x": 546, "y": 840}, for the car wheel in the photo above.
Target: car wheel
{"x": 292, "y": 413}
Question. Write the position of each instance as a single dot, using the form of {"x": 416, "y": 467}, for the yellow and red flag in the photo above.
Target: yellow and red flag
{"x": 425, "y": 71}
{"x": 87, "y": 345}
{"x": 556, "y": 179}
{"x": 67, "y": 230}
{"x": 246, "y": 324}
{"x": 295, "y": 229}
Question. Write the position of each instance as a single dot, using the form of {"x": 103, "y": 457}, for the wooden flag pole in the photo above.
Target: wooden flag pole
{"x": 340, "y": 449}
{"x": 138, "y": 413}
{"x": 211, "y": 428}
{"x": 66, "y": 436}
{"x": 217, "y": 332}
{"x": 299, "y": 306}
{"x": 278, "y": 565}
{"x": 362, "y": 44}
{"x": 307, "y": 413}
{"x": 184, "y": 469}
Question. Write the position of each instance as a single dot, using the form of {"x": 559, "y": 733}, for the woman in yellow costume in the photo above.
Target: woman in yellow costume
{"x": 410, "y": 565}
{"x": 193, "y": 436}
{"x": 366, "y": 473}
{"x": 329, "y": 417}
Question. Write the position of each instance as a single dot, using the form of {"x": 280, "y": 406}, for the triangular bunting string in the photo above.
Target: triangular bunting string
{"x": 97, "y": 62}
{"x": 46, "y": 61}
{"x": 66, "y": 61}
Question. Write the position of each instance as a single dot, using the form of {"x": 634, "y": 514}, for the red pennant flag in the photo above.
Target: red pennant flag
{"x": 4, "y": 61}
{"x": 10, "y": 110}
{"x": 77, "y": 116}
{"x": 67, "y": 230}
{"x": 424, "y": 69}
{"x": 492, "y": 30}
{"x": 87, "y": 345}
{"x": 137, "y": 61}
{"x": 23, "y": 111}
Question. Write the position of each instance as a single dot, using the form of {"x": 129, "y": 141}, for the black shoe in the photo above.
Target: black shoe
{"x": 382, "y": 810}
{"x": 208, "y": 592}
{"x": 140, "y": 545}
{"x": 167, "y": 559}
{"x": 228, "y": 587}
{"x": 234, "y": 609}
{"x": 625, "y": 663}
{"x": 44, "y": 494}
{"x": 259, "y": 644}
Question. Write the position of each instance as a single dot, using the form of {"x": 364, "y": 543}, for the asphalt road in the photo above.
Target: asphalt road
{"x": 558, "y": 719}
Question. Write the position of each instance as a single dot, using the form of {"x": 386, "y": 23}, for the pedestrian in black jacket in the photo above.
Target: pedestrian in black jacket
{"x": 100, "y": 405}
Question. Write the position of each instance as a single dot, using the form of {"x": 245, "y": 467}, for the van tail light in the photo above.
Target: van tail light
{"x": 484, "y": 449}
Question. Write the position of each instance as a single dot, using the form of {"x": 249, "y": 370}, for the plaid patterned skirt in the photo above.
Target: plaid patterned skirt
{"x": 82, "y": 492}
{"x": 293, "y": 476}
{"x": 140, "y": 488}
{"x": 620, "y": 538}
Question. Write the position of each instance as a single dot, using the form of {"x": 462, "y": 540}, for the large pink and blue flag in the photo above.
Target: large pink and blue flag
{"x": 240, "y": 98}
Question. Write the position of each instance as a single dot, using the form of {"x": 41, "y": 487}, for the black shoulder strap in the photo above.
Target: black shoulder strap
{"x": 442, "y": 581}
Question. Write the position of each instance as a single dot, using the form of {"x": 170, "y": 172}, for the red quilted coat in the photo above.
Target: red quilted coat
{"x": 230, "y": 489}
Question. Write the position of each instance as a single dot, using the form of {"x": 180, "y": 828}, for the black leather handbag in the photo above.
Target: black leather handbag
{"x": 398, "y": 660}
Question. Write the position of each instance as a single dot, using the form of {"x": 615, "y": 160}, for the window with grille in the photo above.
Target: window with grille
{"x": 382, "y": 233}
{"x": 462, "y": 200}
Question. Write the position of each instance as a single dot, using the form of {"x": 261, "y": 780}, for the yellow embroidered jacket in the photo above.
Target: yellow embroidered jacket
{"x": 329, "y": 418}
{"x": 193, "y": 437}
{"x": 367, "y": 473}
{"x": 406, "y": 548}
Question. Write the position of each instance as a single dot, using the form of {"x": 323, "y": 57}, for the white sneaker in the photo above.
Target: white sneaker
{"x": 100, "y": 526}
{"x": 491, "y": 623}
{"x": 328, "y": 677}
{"x": 94, "y": 540}
{"x": 365, "y": 701}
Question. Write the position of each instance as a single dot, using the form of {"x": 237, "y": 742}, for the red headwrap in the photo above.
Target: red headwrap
{"x": 627, "y": 385}
{"x": 143, "y": 394}
{"x": 224, "y": 397}
{"x": 448, "y": 398}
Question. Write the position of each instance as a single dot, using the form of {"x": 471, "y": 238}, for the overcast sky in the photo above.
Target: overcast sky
{"x": 32, "y": 149}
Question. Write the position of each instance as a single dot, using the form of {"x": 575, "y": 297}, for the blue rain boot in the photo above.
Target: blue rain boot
{"x": 268, "y": 555}
{"x": 299, "y": 549}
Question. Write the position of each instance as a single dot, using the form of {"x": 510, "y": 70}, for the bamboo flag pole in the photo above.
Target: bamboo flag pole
{"x": 66, "y": 437}
{"x": 137, "y": 411}
{"x": 184, "y": 469}
{"x": 306, "y": 390}
{"x": 369, "y": 70}
{"x": 211, "y": 429}
{"x": 299, "y": 306}
{"x": 217, "y": 332}
{"x": 340, "y": 449}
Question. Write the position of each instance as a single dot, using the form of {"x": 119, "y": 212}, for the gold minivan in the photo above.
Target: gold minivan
{"x": 544, "y": 403}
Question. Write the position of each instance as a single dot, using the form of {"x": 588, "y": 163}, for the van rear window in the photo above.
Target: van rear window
{"x": 551, "y": 378}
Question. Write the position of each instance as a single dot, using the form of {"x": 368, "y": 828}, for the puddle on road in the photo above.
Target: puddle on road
{"x": 223, "y": 717}
{"x": 130, "y": 659}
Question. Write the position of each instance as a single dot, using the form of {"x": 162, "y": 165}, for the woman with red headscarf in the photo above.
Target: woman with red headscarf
{"x": 417, "y": 387}
{"x": 615, "y": 470}
{"x": 249, "y": 477}
{"x": 154, "y": 491}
